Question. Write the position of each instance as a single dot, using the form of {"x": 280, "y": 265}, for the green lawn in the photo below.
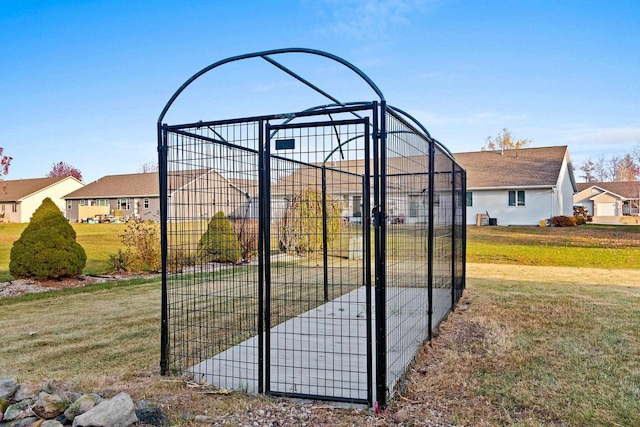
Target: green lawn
{"x": 597, "y": 246}
{"x": 530, "y": 345}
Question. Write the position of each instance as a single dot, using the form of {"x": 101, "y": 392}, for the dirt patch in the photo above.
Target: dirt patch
{"x": 24, "y": 286}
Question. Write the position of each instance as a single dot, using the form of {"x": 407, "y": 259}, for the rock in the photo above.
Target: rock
{"x": 401, "y": 416}
{"x": 115, "y": 412}
{"x": 4, "y": 404}
{"x": 19, "y": 410}
{"x": 8, "y": 386}
{"x": 51, "y": 423}
{"x": 26, "y": 391}
{"x": 23, "y": 422}
{"x": 54, "y": 386}
{"x": 108, "y": 393}
{"x": 82, "y": 405}
{"x": 152, "y": 417}
{"x": 50, "y": 405}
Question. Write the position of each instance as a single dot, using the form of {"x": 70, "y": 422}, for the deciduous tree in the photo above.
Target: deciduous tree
{"x": 64, "y": 169}
{"x": 505, "y": 141}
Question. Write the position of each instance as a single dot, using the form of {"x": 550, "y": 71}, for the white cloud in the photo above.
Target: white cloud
{"x": 360, "y": 20}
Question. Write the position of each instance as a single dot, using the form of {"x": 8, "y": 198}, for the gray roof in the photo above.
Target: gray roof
{"x": 514, "y": 168}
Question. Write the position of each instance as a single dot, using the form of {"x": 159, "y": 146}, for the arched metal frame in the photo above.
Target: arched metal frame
{"x": 415, "y": 262}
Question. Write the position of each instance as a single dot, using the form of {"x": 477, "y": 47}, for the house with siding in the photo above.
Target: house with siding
{"x": 519, "y": 186}
{"x": 609, "y": 199}
{"x": 20, "y": 198}
{"x": 138, "y": 196}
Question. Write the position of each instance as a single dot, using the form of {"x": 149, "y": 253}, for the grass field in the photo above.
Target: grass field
{"x": 547, "y": 333}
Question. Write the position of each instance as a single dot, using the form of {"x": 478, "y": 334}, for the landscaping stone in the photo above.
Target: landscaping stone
{"x": 82, "y": 405}
{"x": 56, "y": 406}
{"x": 4, "y": 404}
{"x": 152, "y": 417}
{"x": 23, "y": 422}
{"x": 19, "y": 410}
{"x": 118, "y": 411}
{"x": 26, "y": 391}
{"x": 50, "y": 405}
{"x": 8, "y": 387}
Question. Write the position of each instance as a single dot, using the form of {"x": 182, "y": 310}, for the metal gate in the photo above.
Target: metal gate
{"x": 318, "y": 308}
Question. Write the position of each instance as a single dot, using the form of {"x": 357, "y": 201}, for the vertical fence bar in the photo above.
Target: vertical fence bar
{"x": 265, "y": 178}
{"x": 431, "y": 239}
{"x": 325, "y": 252}
{"x": 381, "y": 318}
{"x": 162, "y": 174}
{"x": 366, "y": 238}
{"x": 261, "y": 257}
{"x": 454, "y": 195}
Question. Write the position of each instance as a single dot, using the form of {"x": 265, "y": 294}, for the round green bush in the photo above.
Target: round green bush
{"x": 47, "y": 248}
{"x": 220, "y": 243}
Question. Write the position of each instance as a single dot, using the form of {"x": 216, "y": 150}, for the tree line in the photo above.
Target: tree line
{"x": 614, "y": 168}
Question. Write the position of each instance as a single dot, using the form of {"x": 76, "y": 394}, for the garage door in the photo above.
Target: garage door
{"x": 607, "y": 209}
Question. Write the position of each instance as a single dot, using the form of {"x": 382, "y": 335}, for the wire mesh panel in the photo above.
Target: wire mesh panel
{"x": 212, "y": 236}
{"x": 318, "y": 307}
{"x": 407, "y": 242}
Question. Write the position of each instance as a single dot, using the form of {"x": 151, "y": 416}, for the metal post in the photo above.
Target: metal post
{"x": 453, "y": 234}
{"x": 265, "y": 177}
{"x": 162, "y": 174}
{"x": 325, "y": 259}
{"x": 431, "y": 239}
{"x": 261, "y": 251}
{"x": 366, "y": 239}
{"x": 380, "y": 290}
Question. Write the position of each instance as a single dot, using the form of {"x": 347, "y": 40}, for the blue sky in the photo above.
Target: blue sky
{"x": 85, "y": 81}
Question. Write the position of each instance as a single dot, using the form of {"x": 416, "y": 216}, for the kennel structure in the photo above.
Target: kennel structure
{"x": 310, "y": 253}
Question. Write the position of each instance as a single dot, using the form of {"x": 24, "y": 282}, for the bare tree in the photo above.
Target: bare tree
{"x": 600, "y": 170}
{"x": 587, "y": 168}
{"x": 625, "y": 169}
{"x": 148, "y": 167}
{"x": 505, "y": 141}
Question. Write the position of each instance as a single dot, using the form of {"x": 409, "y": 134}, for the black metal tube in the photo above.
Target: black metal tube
{"x": 266, "y": 224}
{"x": 261, "y": 261}
{"x": 162, "y": 175}
{"x": 431, "y": 239}
{"x": 366, "y": 239}
{"x": 454, "y": 195}
{"x": 380, "y": 291}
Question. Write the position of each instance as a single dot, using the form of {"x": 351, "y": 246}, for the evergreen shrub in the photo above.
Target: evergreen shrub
{"x": 47, "y": 248}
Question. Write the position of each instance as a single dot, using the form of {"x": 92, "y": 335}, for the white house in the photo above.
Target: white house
{"x": 609, "y": 199}
{"x": 20, "y": 198}
{"x": 519, "y": 186}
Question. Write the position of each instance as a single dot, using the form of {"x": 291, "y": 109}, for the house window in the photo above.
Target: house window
{"x": 516, "y": 198}
{"x": 102, "y": 202}
{"x": 123, "y": 204}
{"x": 14, "y": 207}
{"x": 83, "y": 202}
{"x": 146, "y": 203}
{"x": 69, "y": 205}
{"x": 417, "y": 207}
{"x": 469, "y": 198}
